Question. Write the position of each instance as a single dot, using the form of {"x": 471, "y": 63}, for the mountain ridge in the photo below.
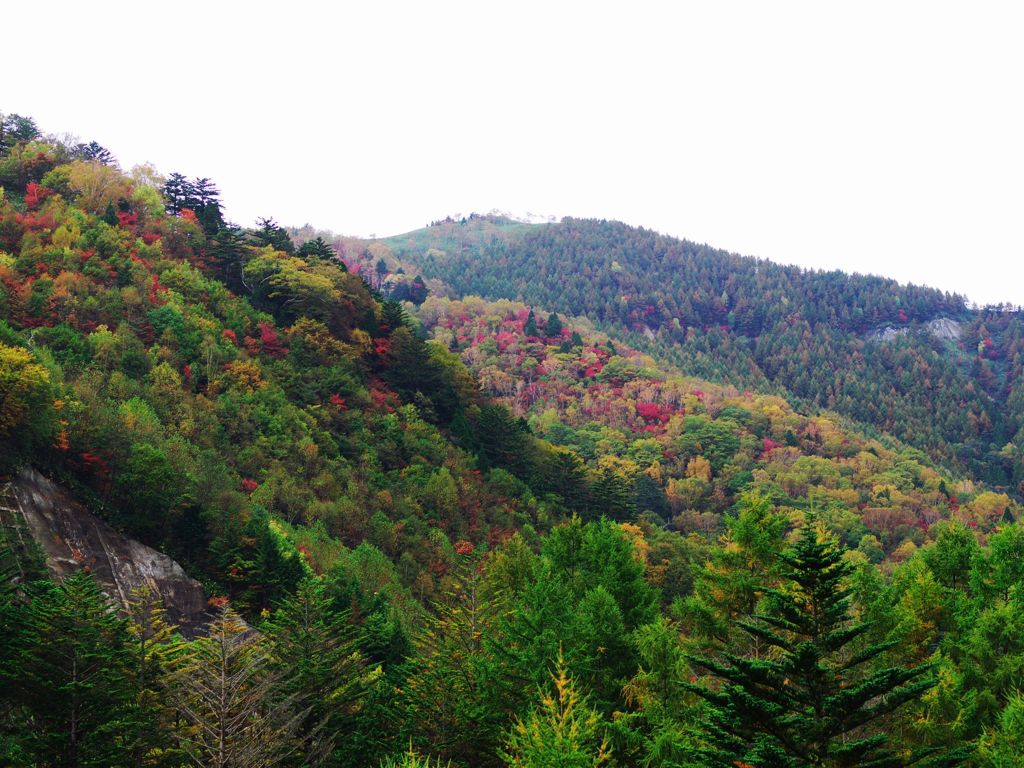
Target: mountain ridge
{"x": 731, "y": 318}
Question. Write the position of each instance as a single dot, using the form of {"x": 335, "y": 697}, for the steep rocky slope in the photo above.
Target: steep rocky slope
{"x": 71, "y": 538}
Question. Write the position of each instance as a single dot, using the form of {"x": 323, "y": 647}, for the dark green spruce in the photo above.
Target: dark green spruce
{"x": 813, "y": 695}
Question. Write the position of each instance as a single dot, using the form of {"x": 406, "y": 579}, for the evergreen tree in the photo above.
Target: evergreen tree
{"x": 15, "y": 128}
{"x": 316, "y": 653}
{"x": 417, "y": 291}
{"x": 562, "y": 732}
{"x": 68, "y": 677}
{"x": 318, "y": 248}
{"x": 610, "y": 497}
{"x": 553, "y": 327}
{"x": 225, "y": 691}
{"x": 269, "y": 233}
{"x": 808, "y": 701}
{"x": 530, "y": 328}
{"x": 227, "y": 249}
{"x": 411, "y": 759}
{"x": 381, "y": 270}
{"x": 110, "y": 215}
{"x": 154, "y": 646}
{"x": 450, "y": 696}
{"x": 93, "y": 152}
{"x": 207, "y": 205}
{"x": 179, "y": 194}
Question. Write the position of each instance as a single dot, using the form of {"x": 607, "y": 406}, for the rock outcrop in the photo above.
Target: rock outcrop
{"x": 888, "y": 333}
{"x": 72, "y": 538}
{"x": 942, "y": 328}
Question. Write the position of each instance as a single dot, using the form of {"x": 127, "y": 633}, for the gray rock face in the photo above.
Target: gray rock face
{"x": 941, "y": 328}
{"x": 944, "y": 328}
{"x": 888, "y": 333}
{"x": 72, "y": 538}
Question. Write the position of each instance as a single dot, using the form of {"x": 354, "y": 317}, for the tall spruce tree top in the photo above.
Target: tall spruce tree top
{"x": 818, "y": 697}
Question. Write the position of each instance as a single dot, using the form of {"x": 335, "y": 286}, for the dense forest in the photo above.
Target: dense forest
{"x": 458, "y": 533}
{"x": 814, "y": 337}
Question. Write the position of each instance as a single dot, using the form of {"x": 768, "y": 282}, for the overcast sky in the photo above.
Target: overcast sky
{"x": 882, "y": 137}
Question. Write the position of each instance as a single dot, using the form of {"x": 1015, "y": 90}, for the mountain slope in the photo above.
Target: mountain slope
{"x": 413, "y": 557}
{"x": 686, "y": 449}
{"x": 812, "y": 336}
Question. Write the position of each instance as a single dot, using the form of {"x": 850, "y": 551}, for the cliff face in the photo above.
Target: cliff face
{"x": 72, "y": 538}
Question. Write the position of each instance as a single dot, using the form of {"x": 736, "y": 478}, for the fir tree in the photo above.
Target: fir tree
{"x": 562, "y": 732}
{"x": 553, "y": 327}
{"x": 450, "y": 694}
{"x": 318, "y": 248}
{"x": 316, "y": 653}
{"x": 530, "y": 328}
{"x": 154, "y": 645}
{"x": 224, "y": 688}
{"x": 811, "y": 700}
{"x": 69, "y": 677}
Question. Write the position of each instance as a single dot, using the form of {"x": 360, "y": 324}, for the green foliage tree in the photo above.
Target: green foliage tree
{"x": 561, "y": 731}
{"x": 412, "y": 759}
{"x": 733, "y": 580}
{"x": 269, "y": 233}
{"x": 226, "y": 694}
{"x": 952, "y": 555}
{"x": 553, "y": 326}
{"x": 154, "y": 646}
{"x": 808, "y": 702}
{"x": 67, "y": 677}
{"x": 530, "y": 327}
{"x": 316, "y": 655}
{"x": 26, "y": 406}
{"x": 1003, "y": 746}
{"x": 449, "y": 696}
{"x": 318, "y": 248}
{"x": 15, "y": 128}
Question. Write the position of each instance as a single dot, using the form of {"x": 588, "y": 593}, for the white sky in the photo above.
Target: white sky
{"x": 883, "y": 137}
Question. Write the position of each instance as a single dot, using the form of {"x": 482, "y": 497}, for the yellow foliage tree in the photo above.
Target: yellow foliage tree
{"x": 24, "y": 384}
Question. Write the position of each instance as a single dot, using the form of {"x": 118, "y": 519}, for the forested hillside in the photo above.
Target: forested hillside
{"x": 683, "y": 450}
{"x": 520, "y": 543}
{"x": 811, "y": 336}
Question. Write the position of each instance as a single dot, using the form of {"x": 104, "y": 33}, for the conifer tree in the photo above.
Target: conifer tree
{"x": 562, "y": 732}
{"x": 530, "y": 328}
{"x": 412, "y": 759}
{"x": 154, "y": 645}
{"x": 811, "y": 699}
{"x": 316, "y": 652}
{"x": 318, "y": 248}
{"x": 450, "y": 699}
{"x": 553, "y": 326}
{"x": 224, "y": 689}
{"x": 68, "y": 676}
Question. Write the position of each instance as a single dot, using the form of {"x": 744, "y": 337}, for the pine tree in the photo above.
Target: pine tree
{"x": 154, "y": 645}
{"x": 450, "y": 694}
{"x": 562, "y": 732}
{"x": 412, "y": 759}
{"x": 553, "y": 327}
{"x": 224, "y": 689}
{"x": 269, "y": 233}
{"x": 318, "y": 248}
{"x": 811, "y": 700}
{"x": 316, "y": 652}
{"x": 530, "y": 328}
{"x": 69, "y": 677}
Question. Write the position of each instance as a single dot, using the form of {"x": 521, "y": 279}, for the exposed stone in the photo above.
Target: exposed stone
{"x": 72, "y": 538}
{"x": 942, "y": 328}
{"x": 945, "y": 328}
{"x": 888, "y": 333}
